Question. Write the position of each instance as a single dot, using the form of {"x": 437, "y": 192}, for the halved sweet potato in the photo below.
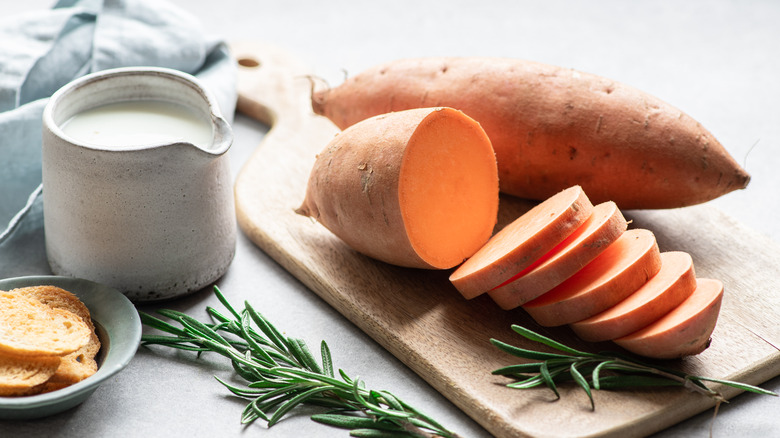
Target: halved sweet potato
{"x": 416, "y": 188}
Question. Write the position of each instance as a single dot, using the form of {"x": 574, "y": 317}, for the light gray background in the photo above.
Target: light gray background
{"x": 716, "y": 60}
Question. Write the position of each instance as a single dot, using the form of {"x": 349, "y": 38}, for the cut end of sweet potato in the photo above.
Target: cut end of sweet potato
{"x": 685, "y": 330}
{"x": 448, "y": 188}
{"x": 522, "y": 242}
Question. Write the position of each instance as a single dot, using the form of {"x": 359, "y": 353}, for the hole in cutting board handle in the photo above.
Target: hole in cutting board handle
{"x": 249, "y": 62}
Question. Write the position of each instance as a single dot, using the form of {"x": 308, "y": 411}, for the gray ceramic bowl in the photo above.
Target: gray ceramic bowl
{"x": 118, "y": 327}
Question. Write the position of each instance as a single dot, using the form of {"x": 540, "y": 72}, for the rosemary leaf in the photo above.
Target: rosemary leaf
{"x": 327, "y": 361}
{"x": 355, "y": 422}
{"x": 181, "y": 347}
{"x": 240, "y": 391}
{"x": 345, "y": 377}
{"x": 167, "y": 340}
{"x": 307, "y": 375}
{"x": 597, "y": 373}
{"x": 529, "y": 334}
{"x": 295, "y": 401}
{"x": 521, "y": 368}
{"x": 373, "y": 433}
{"x": 301, "y": 350}
{"x": 161, "y": 325}
{"x": 545, "y": 373}
{"x": 252, "y": 412}
{"x": 215, "y": 314}
{"x": 523, "y": 353}
{"x": 279, "y": 395}
{"x": 375, "y": 408}
{"x": 620, "y": 381}
{"x": 267, "y": 329}
{"x": 330, "y": 401}
{"x": 390, "y": 400}
{"x": 266, "y": 384}
{"x": 252, "y": 343}
{"x": 225, "y": 303}
{"x": 421, "y": 418}
{"x": 530, "y": 382}
{"x": 247, "y": 373}
{"x": 583, "y": 383}
{"x": 193, "y": 325}
{"x": 742, "y": 386}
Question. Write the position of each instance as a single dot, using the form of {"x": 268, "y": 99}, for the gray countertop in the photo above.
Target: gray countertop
{"x": 715, "y": 60}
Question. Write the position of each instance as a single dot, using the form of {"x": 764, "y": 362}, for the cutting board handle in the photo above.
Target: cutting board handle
{"x": 274, "y": 87}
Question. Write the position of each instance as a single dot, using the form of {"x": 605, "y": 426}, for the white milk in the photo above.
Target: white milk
{"x": 138, "y": 123}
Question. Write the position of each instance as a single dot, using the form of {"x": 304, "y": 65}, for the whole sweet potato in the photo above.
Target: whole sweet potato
{"x": 553, "y": 128}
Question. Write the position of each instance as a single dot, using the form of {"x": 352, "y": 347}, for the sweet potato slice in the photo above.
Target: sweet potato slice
{"x": 605, "y": 225}
{"x": 522, "y": 242}
{"x": 675, "y": 282}
{"x": 415, "y": 188}
{"x": 683, "y": 331}
{"x": 615, "y": 274}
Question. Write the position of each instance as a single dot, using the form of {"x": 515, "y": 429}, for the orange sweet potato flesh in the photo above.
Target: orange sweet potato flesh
{"x": 526, "y": 239}
{"x": 415, "y": 188}
{"x": 685, "y": 330}
{"x": 674, "y": 283}
{"x": 605, "y": 225}
{"x": 615, "y": 274}
{"x": 553, "y": 128}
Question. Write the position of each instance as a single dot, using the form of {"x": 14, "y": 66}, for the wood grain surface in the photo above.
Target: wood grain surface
{"x": 420, "y": 318}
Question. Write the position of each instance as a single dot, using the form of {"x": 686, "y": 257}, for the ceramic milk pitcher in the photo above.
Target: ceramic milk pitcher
{"x": 137, "y": 191}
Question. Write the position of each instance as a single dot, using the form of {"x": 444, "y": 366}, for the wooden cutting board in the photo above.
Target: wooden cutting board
{"x": 421, "y": 319}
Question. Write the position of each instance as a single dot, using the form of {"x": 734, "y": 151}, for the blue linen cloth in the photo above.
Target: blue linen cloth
{"x": 43, "y": 50}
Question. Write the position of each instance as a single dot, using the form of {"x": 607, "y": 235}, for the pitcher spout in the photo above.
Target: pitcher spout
{"x": 222, "y": 137}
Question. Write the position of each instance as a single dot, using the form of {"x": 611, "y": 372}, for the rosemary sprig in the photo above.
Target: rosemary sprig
{"x": 282, "y": 373}
{"x": 605, "y": 370}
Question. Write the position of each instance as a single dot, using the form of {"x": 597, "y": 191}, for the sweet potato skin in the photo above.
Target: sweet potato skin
{"x": 553, "y": 128}
{"x": 351, "y": 215}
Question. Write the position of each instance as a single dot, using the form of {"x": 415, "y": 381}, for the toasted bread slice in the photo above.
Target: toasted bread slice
{"x": 80, "y": 364}
{"x": 57, "y": 298}
{"x": 25, "y": 375}
{"x": 31, "y": 328}
{"x": 77, "y": 366}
